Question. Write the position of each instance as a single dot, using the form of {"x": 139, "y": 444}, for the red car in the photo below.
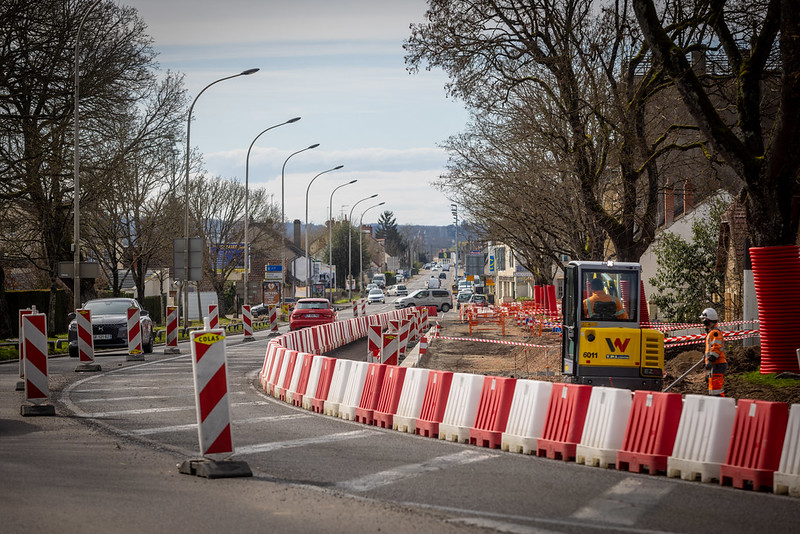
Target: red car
{"x": 311, "y": 312}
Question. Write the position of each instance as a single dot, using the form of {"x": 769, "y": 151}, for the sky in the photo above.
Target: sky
{"x": 337, "y": 64}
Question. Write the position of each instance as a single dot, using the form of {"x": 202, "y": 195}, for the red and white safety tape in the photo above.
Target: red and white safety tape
{"x": 732, "y": 335}
{"x": 497, "y": 341}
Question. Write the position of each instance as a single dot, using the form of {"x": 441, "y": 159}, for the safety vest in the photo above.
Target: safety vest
{"x": 714, "y": 345}
{"x": 601, "y": 296}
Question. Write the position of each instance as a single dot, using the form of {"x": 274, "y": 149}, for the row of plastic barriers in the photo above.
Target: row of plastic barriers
{"x": 746, "y": 444}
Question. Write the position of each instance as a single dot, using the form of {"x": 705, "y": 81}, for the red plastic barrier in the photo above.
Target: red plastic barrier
{"x": 552, "y": 304}
{"x": 754, "y": 452}
{"x": 436, "y": 391}
{"x": 371, "y": 393}
{"x": 323, "y": 385}
{"x": 538, "y": 296}
{"x": 644, "y": 316}
{"x": 493, "y": 408}
{"x": 275, "y": 373}
{"x": 390, "y": 397}
{"x": 302, "y": 380}
{"x": 650, "y": 433}
{"x": 563, "y": 424}
{"x": 775, "y": 270}
{"x": 433, "y": 311}
{"x": 287, "y": 378}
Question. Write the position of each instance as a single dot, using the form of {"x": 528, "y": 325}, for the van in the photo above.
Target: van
{"x": 379, "y": 280}
{"x": 441, "y": 298}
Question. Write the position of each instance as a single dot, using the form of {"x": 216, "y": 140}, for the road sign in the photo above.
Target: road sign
{"x": 195, "y": 258}
{"x": 87, "y": 269}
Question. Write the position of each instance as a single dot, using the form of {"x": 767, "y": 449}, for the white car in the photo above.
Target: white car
{"x": 376, "y": 295}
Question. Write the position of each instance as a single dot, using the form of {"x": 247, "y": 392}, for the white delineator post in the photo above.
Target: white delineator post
{"x": 247, "y": 321}
{"x": 212, "y": 402}
{"x": 37, "y": 385}
{"x": 172, "y": 331}
{"x": 135, "y": 353}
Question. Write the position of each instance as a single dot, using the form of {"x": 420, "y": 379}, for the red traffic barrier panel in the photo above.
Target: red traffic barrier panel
{"x": 755, "y": 449}
{"x": 434, "y": 404}
{"x": 286, "y": 378}
{"x": 323, "y": 384}
{"x": 371, "y": 393}
{"x": 493, "y": 410}
{"x": 389, "y": 400}
{"x": 650, "y": 434}
{"x": 563, "y": 426}
{"x": 298, "y": 389}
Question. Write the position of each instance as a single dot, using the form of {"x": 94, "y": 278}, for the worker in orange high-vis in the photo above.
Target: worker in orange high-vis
{"x": 592, "y": 310}
{"x": 716, "y": 365}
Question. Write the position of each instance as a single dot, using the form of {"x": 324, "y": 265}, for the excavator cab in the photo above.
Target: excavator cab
{"x": 603, "y": 342}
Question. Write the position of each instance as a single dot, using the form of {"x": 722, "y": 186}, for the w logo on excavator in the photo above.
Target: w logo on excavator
{"x": 620, "y": 344}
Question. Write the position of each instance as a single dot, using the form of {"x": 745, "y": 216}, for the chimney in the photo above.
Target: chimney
{"x": 669, "y": 206}
{"x": 688, "y": 197}
{"x": 297, "y": 234}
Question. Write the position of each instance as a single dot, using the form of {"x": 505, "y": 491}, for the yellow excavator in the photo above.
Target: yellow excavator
{"x": 603, "y": 343}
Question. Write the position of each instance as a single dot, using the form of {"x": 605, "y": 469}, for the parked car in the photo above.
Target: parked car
{"x": 441, "y": 298}
{"x": 311, "y": 312}
{"x": 376, "y": 295}
{"x": 110, "y": 325}
{"x": 462, "y": 298}
{"x": 259, "y": 310}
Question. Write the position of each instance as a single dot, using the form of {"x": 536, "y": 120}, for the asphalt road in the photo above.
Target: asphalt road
{"x": 107, "y": 462}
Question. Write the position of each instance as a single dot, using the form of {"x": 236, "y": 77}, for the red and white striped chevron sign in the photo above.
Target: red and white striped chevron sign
{"x": 34, "y": 336}
{"x": 211, "y": 391}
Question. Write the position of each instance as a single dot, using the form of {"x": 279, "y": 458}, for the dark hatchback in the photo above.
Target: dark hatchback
{"x": 110, "y": 325}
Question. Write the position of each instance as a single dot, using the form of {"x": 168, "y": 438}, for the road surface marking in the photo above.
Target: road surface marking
{"x": 391, "y": 476}
{"x": 142, "y": 411}
{"x": 180, "y": 428}
{"x": 303, "y": 442}
{"x": 624, "y": 503}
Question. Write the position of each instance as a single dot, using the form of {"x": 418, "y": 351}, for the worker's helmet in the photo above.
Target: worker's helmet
{"x": 709, "y": 314}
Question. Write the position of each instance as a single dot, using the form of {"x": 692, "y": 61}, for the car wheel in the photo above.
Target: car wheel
{"x": 147, "y": 348}
{"x": 445, "y": 308}
{"x": 73, "y": 352}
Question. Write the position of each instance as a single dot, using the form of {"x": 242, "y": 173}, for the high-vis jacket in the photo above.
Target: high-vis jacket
{"x": 714, "y": 347}
{"x": 602, "y": 296}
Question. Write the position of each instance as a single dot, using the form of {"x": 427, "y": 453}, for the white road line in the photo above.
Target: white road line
{"x": 330, "y": 438}
{"x": 391, "y": 476}
{"x": 624, "y": 503}
{"x": 100, "y": 415}
{"x": 129, "y": 387}
{"x": 117, "y": 399}
{"x": 180, "y": 428}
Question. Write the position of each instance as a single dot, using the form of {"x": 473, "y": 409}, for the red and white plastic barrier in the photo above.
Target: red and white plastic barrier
{"x": 22, "y": 313}
{"x": 462, "y": 406}
{"x": 355, "y": 308}
{"x": 526, "y": 416}
{"x": 135, "y": 353}
{"x": 247, "y": 322}
{"x": 604, "y": 429}
{"x": 85, "y": 336}
{"x": 210, "y": 373}
{"x": 172, "y": 331}
{"x": 363, "y": 307}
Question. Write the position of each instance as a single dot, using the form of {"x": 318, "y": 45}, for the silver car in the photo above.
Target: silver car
{"x": 441, "y": 298}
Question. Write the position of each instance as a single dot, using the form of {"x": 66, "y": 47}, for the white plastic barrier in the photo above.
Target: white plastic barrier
{"x": 352, "y": 393}
{"x": 274, "y": 371}
{"x": 313, "y": 381}
{"x": 704, "y": 433}
{"x": 526, "y": 416}
{"x": 787, "y": 478}
{"x": 604, "y": 428}
{"x": 462, "y": 407}
{"x": 411, "y": 398}
{"x": 339, "y": 382}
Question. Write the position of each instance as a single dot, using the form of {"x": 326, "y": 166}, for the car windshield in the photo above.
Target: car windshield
{"x": 318, "y": 305}
{"x": 109, "y": 307}
{"x": 375, "y": 292}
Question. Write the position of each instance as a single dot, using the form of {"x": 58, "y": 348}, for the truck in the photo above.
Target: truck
{"x": 379, "y": 280}
{"x": 603, "y": 342}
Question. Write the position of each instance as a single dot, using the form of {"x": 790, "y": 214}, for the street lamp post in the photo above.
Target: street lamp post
{"x": 186, "y": 195}
{"x": 360, "y": 233}
{"x": 283, "y": 217}
{"x": 76, "y": 218}
{"x": 350, "y": 247}
{"x": 330, "y": 237}
{"x": 308, "y": 258}
{"x": 246, "y": 204}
